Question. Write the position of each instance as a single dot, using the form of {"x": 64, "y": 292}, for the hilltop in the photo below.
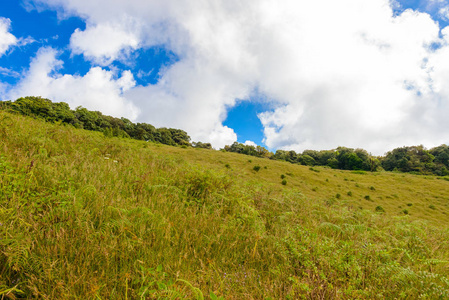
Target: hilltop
{"x": 86, "y": 215}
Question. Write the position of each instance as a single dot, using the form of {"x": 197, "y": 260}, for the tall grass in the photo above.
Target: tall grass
{"x": 88, "y": 217}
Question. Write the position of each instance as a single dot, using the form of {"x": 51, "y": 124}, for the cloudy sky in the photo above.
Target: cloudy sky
{"x": 284, "y": 74}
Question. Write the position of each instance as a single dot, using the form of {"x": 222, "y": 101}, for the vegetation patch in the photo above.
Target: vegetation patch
{"x": 86, "y": 216}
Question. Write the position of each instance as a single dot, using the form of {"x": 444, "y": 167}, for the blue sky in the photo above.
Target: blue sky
{"x": 326, "y": 74}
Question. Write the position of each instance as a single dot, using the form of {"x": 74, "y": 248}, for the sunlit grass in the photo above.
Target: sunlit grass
{"x": 88, "y": 217}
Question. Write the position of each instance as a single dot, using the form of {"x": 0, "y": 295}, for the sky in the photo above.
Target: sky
{"x": 283, "y": 74}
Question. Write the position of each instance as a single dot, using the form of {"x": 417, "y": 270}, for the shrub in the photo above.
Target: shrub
{"x": 338, "y": 196}
{"x": 350, "y": 194}
{"x": 405, "y": 211}
{"x": 256, "y": 168}
{"x": 284, "y": 182}
{"x": 409, "y": 204}
{"x": 431, "y": 206}
{"x": 380, "y": 209}
{"x": 367, "y": 197}
{"x": 282, "y": 176}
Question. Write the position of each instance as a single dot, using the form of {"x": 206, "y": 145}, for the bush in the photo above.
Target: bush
{"x": 284, "y": 182}
{"x": 256, "y": 168}
{"x": 380, "y": 209}
{"x": 282, "y": 176}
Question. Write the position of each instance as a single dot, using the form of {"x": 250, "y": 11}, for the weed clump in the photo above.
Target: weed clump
{"x": 256, "y": 168}
{"x": 282, "y": 176}
{"x": 284, "y": 182}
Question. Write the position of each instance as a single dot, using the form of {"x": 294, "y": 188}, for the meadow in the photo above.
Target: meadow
{"x": 85, "y": 216}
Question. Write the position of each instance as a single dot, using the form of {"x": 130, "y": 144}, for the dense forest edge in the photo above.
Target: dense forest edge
{"x": 411, "y": 159}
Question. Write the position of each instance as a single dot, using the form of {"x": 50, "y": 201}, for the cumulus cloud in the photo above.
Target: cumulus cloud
{"x": 250, "y": 143}
{"x": 346, "y": 72}
{"x": 7, "y": 39}
{"x": 97, "y": 90}
{"x": 103, "y": 43}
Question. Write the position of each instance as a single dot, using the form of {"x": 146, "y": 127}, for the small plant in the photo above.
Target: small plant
{"x": 282, "y": 176}
{"x": 431, "y": 206}
{"x": 350, "y": 194}
{"x": 409, "y": 204}
{"x": 228, "y": 166}
{"x": 250, "y": 161}
{"x": 405, "y": 211}
{"x": 315, "y": 189}
{"x": 379, "y": 209}
{"x": 338, "y": 196}
{"x": 215, "y": 297}
{"x": 284, "y": 182}
{"x": 372, "y": 188}
{"x": 367, "y": 197}
{"x": 265, "y": 167}
{"x": 314, "y": 170}
{"x": 329, "y": 202}
{"x": 256, "y": 168}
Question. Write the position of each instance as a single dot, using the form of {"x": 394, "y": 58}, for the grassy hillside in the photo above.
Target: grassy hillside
{"x": 84, "y": 216}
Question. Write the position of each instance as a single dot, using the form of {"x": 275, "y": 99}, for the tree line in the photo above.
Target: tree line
{"x": 94, "y": 120}
{"x": 414, "y": 159}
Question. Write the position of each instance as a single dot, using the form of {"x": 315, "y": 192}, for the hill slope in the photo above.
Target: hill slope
{"x": 85, "y": 216}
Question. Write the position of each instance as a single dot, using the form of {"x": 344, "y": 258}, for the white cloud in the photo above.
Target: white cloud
{"x": 8, "y": 72}
{"x": 343, "y": 72}
{"x": 7, "y": 39}
{"x": 250, "y": 143}
{"x": 103, "y": 43}
{"x": 97, "y": 90}
{"x": 444, "y": 13}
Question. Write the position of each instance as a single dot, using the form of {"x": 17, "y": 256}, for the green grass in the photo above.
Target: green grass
{"x": 84, "y": 216}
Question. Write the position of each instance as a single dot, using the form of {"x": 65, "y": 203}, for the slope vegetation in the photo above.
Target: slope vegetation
{"x": 85, "y": 216}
